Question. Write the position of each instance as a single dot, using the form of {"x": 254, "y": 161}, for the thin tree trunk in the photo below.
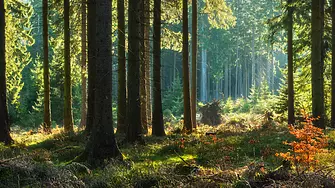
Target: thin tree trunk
{"x": 122, "y": 100}
{"x": 83, "y": 66}
{"x": 333, "y": 66}
{"x": 290, "y": 65}
{"x": 226, "y": 81}
{"x": 134, "y": 131}
{"x": 91, "y": 64}
{"x": 68, "y": 118}
{"x": 317, "y": 67}
{"x": 4, "y": 120}
{"x": 157, "y": 113}
{"x": 46, "y": 74}
{"x": 194, "y": 60}
{"x": 186, "y": 86}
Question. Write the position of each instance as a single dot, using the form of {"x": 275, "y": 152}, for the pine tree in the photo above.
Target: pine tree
{"x": 46, "y": 74}
{"x": 122, "y": 103}
{"x": 83, "y": 65}
{"x": 186, "y": 79}
{"x": 290, "y": 64}
{"x": 4, "y": 121}
{"x": 134, "y": 105}
{"x": 194, "y": 60}
{"x": 157, "y": 113}
{"x": 317, "y": 67}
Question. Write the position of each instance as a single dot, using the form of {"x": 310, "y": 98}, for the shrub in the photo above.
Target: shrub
{"x": 310, "y": 141}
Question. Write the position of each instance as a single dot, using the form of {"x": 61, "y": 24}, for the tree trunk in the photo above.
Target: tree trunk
{"x": 333, "y": 66}
{"x": 83, "y": 66}
{"x": 134, "y": 104}
{"x": 68, "y": 118}
{"x": 91, "y": 29}
{"x": 186, "y": 79}
{"x": 103, "y": 144}
{"x": 46, "y": 74}
{"x": 4, "y": 121}
{"x": 147, "y": 58}
{"x": 157, "y": 113}
{"x": 317, "y": 67}
{"x": 226, "y": 79}
{"x": 204, "y": 82}
{"x": 122, "y": 99}
{"x": 194, "y": 60}
{"x": 290, "y": 65}
{"x": 144, "y": 63}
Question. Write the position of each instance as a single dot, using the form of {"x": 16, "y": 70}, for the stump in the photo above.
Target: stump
{"x": 211, "y": 113}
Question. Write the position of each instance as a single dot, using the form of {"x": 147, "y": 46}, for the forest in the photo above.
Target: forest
{"x": 167, "y": 93}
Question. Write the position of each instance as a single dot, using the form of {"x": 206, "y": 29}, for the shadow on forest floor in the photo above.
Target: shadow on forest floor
{"x": 215, "y": 160}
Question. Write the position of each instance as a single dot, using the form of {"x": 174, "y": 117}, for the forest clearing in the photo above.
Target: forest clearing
{"x": 167, "y": 93}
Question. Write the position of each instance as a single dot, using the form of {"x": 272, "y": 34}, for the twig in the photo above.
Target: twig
{"x": 182, "y": 159}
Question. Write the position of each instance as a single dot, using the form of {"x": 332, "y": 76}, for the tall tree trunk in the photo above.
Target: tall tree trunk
{"x": 157, "y": 113}
{"x": 147, "y": 57}
{"x": 194, "y": 60}
{"x": 4, "y": 120}
{"x": 134, "y": 105}
{"x": 290, "y": 65}
{"x": 83, "y": 65}
{"x": 122, "y": 100}
{"x": 317, "y": 67}
{"x": 333, "y": 66}
{"x": 91, "y": 29}
{"x": 46, "y": 74}
{"x": 186, "y": 78}
{"x": 102, "y": 144}
{"x": 68, "y": 118}
{"x": 144, "y": 65}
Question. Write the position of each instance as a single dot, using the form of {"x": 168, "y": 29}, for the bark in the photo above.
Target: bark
{"x": 4, "y": 121}
{"x": 122, "y": 100}
{"x": 134, "y": 105}
{"x": 147, "y": 57}
{"x": 157, "y": 114}
{"x": 91, "y": 64}
{"x": 46, "y": 74}
{"x": 290, "y": 65}
{"x": 83, "y": 66}
{"x": 194, "y": 60}
{"x": 186, "y": 79}
{"x": 102, "y": 143}
{"x": 333, "y": 66}
{"x": 68, "y": 118}
{"x": 144, "y": 66}
{"x": 317, "y": 67}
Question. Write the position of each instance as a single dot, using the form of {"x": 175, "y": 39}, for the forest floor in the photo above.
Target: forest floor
{"x": 229, "y": 155}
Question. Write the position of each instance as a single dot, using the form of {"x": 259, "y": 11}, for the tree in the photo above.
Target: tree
{"x": 157, "y": 113}
{"x": 4, "y": 120}
{"x": 91, "y": 29}
{"x": 102, "y": 144}
{"x": 46, "y": 74}
{"x": 333, "y": 66}
{"x": 134, "y": 104}
{"x": 317, "y": 67}
{"x": 122, "y": 103}
{"x": 83, "y": 65}
{"x": 186, "y": 78}
{"x": 143, "y": 66}
{"x": 68, "y": 118}
{"x": 290, "y": 64}
{"x": 194, "y": 60}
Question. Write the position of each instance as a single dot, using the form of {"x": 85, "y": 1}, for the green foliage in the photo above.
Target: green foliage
{"x": 173, "y": 99}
